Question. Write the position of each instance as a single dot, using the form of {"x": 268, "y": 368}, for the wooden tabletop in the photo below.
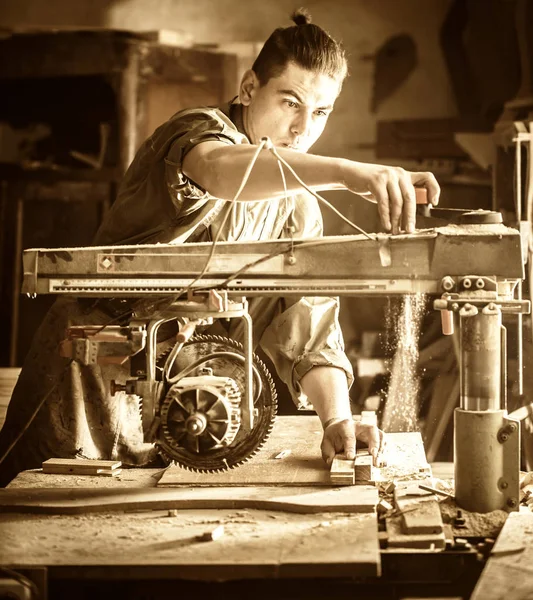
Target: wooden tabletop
{"x": 257, "y": 543}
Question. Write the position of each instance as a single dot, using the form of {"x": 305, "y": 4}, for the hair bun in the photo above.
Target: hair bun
{"x": 301, "y": 17}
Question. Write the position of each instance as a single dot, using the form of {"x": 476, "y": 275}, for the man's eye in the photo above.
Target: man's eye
{"x": 321, "y": 113}
{"x": 291, "y": 104}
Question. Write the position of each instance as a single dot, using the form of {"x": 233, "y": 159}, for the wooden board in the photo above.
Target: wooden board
{"x": 302, "y": 435}
{"x": 87, "y": 500}
{"x": 255, "y": 544}
{"x": 509, "y": 571}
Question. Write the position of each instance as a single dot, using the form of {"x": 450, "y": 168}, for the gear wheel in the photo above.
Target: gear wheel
{"x": 201, "y": 413}
{"x": 245, "y": 444}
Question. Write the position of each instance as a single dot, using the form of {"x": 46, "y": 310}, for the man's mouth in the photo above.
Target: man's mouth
{"x": 290, "y": 146}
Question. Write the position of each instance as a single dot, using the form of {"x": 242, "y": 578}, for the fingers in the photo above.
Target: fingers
{"x": 375, "y": 439}
{"x": 328, "y": 450}
{"x": 428, "y": 181}
{"x": 348, "y": 441}
{"x": 339, "y": 437}
{"x": 396, "y": 202}
{"x": 409, "y": 205}
{"x": 393, "y": 189}
{"x": 382, "y": 198}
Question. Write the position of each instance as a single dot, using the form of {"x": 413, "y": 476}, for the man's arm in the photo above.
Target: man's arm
{"x": 219, "y": 168}
{"x": 327, "y": 390}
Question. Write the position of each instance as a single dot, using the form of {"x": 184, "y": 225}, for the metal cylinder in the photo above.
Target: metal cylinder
{"x": 480, "y": 368}
{"x": 487, "y": 454}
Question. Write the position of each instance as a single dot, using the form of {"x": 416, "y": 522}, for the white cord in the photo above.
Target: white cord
{"x": 318, "y": 196}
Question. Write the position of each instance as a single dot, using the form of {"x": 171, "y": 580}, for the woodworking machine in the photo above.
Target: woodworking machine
{"x": 209, "y": 403}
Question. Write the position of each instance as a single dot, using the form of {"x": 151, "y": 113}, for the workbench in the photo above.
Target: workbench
{"x": 60, "y": 538}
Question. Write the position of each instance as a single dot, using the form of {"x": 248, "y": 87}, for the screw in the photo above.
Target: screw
{"x": 447, "y": 283}
{"x": 467, "y": 283}
{"x": 480, "y": 284}
{"x": 504, "y": 485}
{"x": 512, "y": 502}
{"x": 291, "y": 259}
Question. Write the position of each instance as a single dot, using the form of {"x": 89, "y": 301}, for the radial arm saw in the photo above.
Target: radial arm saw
{"x": 209, "y": 403}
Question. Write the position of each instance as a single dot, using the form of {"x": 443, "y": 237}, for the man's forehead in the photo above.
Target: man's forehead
{"x": 310, "y": 86}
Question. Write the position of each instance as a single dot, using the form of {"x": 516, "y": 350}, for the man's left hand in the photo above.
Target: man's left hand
{"x": 340, "y": 437}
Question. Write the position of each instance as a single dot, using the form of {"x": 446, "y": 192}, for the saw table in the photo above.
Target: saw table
{"x": 85, "y": 534}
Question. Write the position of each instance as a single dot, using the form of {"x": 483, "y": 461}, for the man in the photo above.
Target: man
{"x": 174, "y": 192}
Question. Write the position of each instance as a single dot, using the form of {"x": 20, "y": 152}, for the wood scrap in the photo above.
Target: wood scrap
{"x": 213, "y": 535}
{"x": 81, "y": 466}
{"x": 365, "y": 472}
{"x": 342, "y": 470}
{"x": 421, "y": 512}
{"x": 398, "y": 539}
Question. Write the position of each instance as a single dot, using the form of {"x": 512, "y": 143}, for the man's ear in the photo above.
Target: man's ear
{"x": 249, "y": 84}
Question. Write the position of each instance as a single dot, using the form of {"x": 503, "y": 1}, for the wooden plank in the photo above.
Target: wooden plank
{"x": 509, "y": 571}
{"x": 256, "y": 544}
{"x": 87, "y": 500}
{"x": 301, "y": 435}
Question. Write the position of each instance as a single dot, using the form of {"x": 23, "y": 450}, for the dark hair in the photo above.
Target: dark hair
{"x": 305, "y": 44}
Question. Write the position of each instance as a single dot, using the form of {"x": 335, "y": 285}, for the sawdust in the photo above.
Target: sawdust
{"x": 403, "y": 324}
{"x": 483, "y": 525}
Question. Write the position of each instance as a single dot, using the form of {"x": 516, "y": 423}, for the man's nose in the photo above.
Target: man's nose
{"x": 301, "y": 125}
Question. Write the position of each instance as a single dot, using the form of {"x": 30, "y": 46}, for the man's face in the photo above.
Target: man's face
{"x": 292, "y": 109}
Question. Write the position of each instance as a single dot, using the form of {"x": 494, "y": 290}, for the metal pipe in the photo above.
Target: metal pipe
{"x": 480, "y": 357}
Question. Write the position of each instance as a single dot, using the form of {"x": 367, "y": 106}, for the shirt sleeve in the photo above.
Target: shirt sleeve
{"x": 306, "y": 332}
{"x": 193, "y": 127}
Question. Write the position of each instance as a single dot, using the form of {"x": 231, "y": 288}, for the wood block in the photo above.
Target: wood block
{"x": 364, "y": 468}
{"x": 342, "y": 471}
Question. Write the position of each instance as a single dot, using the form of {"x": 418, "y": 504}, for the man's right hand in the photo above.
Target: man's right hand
{"x": 340, "y": 437}
{"x": 393, "y": 189}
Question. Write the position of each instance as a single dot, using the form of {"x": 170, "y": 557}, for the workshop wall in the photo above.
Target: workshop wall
{"x": 363, "y": 26}
{"x": 371, "y": 31}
